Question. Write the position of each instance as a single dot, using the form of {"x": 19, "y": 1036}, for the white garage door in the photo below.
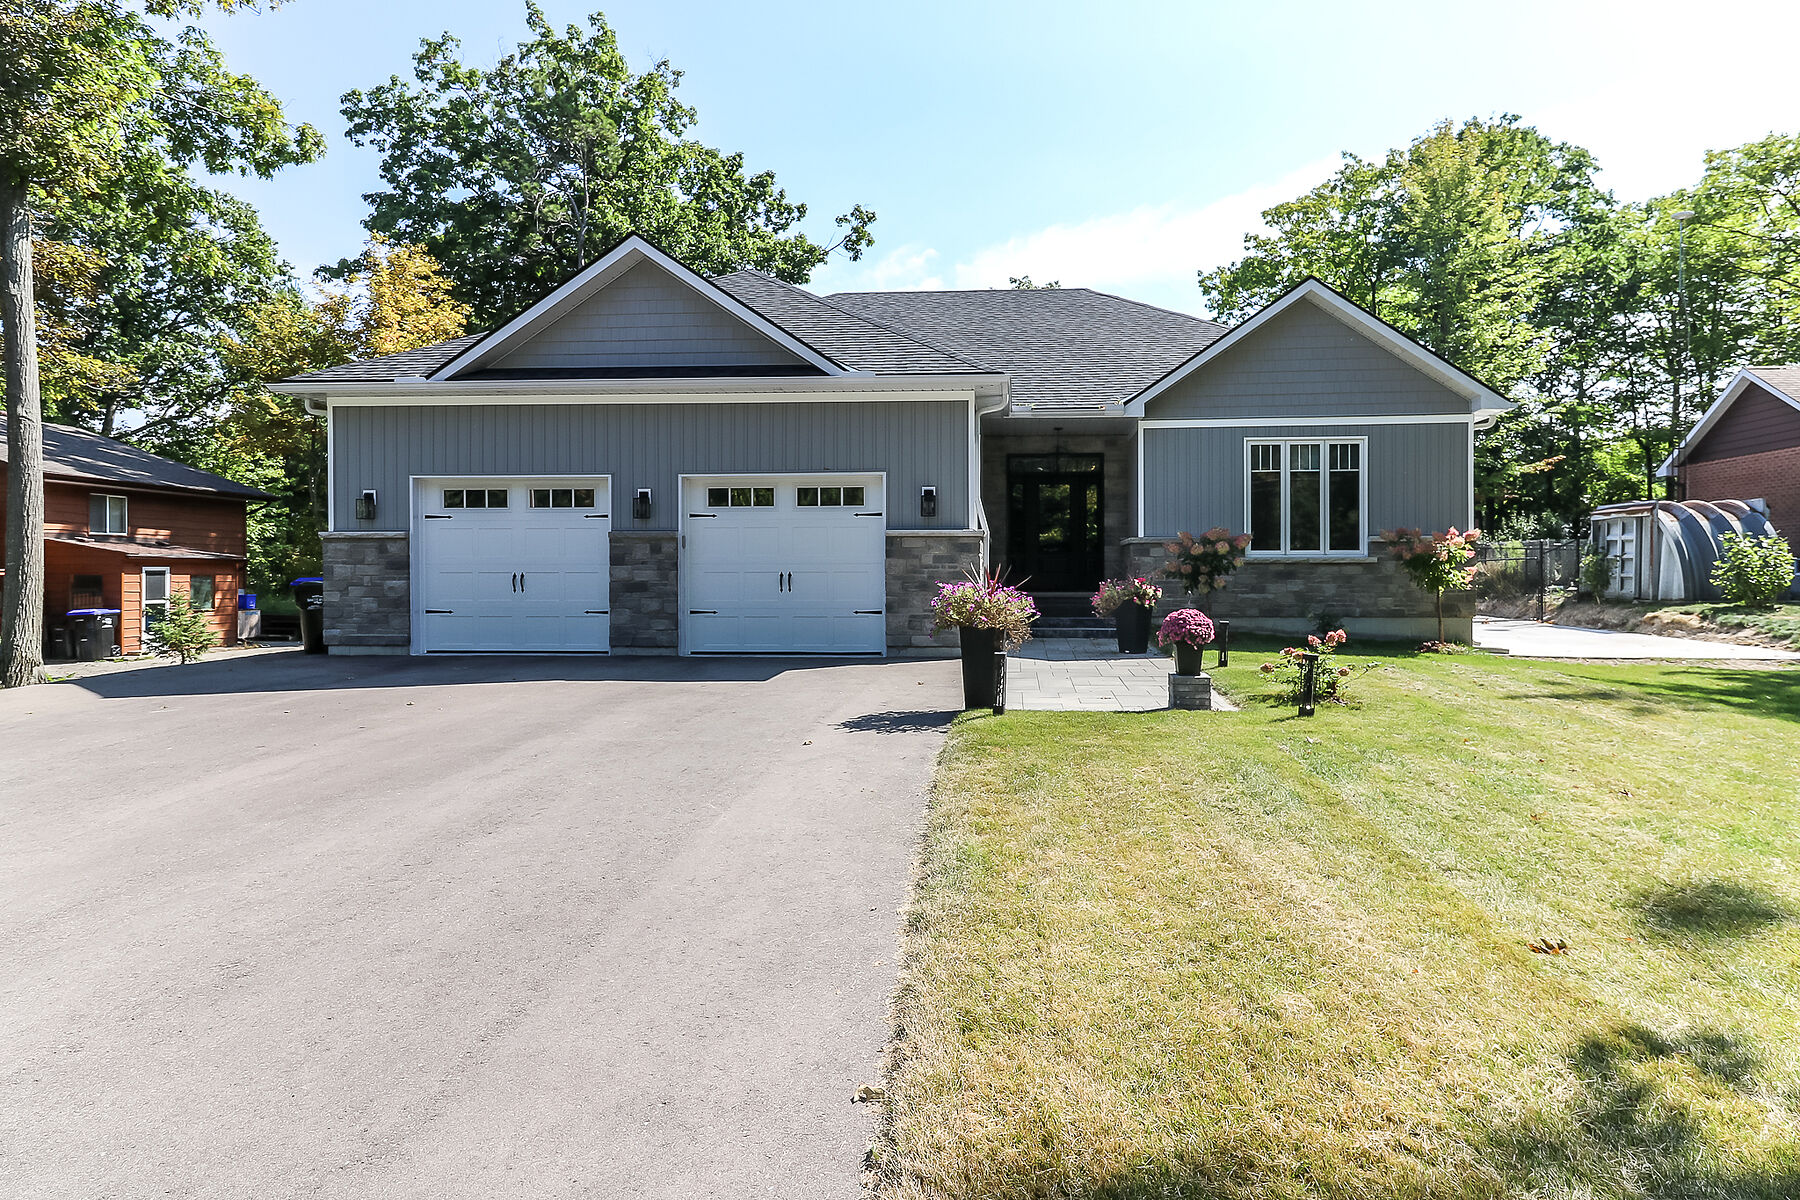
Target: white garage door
{"x": 784, "y": 565}
{"x": 512, "y": 565}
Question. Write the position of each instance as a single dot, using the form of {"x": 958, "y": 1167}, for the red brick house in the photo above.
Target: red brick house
{"x": 1747, "y": 446}
{"x": 126, "y": 529}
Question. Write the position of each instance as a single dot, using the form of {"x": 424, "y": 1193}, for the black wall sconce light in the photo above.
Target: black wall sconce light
{"x": 640, "y": 505}
{"x": 928, "y": 502}
{"x": 365, "y": 505}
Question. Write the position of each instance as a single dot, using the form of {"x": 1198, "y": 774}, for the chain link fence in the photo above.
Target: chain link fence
{"x": 1529, "y": 572}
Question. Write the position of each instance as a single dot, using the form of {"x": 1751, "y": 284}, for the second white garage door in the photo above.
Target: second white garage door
{"x": 784, "y": 565}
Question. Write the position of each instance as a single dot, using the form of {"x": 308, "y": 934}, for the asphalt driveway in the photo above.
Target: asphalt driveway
{"x": 374, "y": 927}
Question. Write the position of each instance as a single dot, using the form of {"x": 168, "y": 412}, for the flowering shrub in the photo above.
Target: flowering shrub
{"x": 1330, "y": 680}
{"x": 1188, "y": 626}
{"x": 1116, "y": 592}
{"x": 1202, "y": 563}
{"x": 1437, "y": 562}
{"x": 984, "y": 602}
{"x": 1753, "y": 571}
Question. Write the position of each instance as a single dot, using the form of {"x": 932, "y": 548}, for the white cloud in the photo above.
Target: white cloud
{"x": 1149, "y": 253}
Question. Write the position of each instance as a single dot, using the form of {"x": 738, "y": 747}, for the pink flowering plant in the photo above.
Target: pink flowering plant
{"x": 1113, "y": 594}
{"x": 1330, "y": 679}
{"x": 1437, "y": 562}
{"x": 1201, "y": 563}
{"x": 983, "y": 601}
{"x": 1187, "y": 626}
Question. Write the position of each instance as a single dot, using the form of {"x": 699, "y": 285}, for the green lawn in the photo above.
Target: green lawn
{"x": 1208, "y": 954}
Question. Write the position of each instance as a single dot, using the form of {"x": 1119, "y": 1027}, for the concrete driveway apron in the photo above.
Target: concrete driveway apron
{"x": 327, "y": 927}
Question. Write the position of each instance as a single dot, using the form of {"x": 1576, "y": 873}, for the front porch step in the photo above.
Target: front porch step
{"x": 1072, "y": 627}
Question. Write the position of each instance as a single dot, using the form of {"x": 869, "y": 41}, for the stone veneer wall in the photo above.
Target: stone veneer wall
{"x": 645, "y": 602}
{"x": 916, "y": 562}
{"x": 1373, "y": 597}
{"x": 368, "y": 592}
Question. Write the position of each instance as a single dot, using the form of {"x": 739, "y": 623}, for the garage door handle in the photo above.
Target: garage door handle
{"x": 790, "y": 581}
{"x": 515, "y": 581}
{"x": 521, "y": 582}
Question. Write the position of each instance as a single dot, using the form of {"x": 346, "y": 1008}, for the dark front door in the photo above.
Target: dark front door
{"x": 1053, "y": 521}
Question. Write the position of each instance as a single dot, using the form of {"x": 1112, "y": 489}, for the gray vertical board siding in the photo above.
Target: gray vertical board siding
{"x": 917, "y": 443}
{"x": 645, "y": 319}
{"x": 1415, "y": 475}
{"x": 1305, "y": 362}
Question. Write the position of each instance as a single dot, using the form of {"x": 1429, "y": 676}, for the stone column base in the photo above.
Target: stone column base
{"x": 1190, "y": 691}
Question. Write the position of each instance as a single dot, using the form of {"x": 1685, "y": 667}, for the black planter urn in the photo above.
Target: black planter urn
{"x": 1132, "y": 620}
{"x": 1187, "y": 659}
{"x": 980, "y": 672}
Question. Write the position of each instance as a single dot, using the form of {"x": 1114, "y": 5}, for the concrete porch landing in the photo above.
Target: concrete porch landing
{"x": 1089, "y": 675}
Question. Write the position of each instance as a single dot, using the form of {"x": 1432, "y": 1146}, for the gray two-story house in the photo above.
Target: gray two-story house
{"x": 652, "y": 461}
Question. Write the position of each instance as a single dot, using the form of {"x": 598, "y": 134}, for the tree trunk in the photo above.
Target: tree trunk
{"x": 22, "y": 599}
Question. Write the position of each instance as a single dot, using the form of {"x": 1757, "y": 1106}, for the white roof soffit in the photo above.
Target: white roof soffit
{"x": 593, "y": 278}
{"x": 1482, "y": 399}
{"x": 1743, "y": 379}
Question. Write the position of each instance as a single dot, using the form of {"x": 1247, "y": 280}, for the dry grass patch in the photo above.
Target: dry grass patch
{"x": 1206, "y": 955}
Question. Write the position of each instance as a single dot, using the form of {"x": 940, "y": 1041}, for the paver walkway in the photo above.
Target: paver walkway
{"x": 1088, "y": 675}
{"x": 1530, "y": 639}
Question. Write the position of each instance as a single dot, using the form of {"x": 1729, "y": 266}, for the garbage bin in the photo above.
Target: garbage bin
{"x": 309, "y": 594}
{"x": 93, "y": 633}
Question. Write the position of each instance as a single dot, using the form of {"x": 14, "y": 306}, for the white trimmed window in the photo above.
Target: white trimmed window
{"x": 1305, "y": 497}
{"x": 106, "y": 514}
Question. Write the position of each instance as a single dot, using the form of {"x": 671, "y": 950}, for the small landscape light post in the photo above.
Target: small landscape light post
{"x": 1309, "y": 673}
{"x": 1224, "y": 643}
{"x": 1000, "y": 678}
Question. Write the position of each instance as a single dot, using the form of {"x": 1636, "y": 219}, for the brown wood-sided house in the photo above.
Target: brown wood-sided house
{"x": 1747, "y": 446}
{"x": 126, "y": 529}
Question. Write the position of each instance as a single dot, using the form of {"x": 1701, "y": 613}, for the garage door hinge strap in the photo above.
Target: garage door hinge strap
{"x": 596, "y": 516}
{"x": 439, "y": 517}
{"x": 867, "y": 612}
{"x": 703, "y": 612}
{"x": 444, "y": 611}
{"x": 598, "y": 612}
{"x": 868, "y": 514}
{"x": 691, "y": 516}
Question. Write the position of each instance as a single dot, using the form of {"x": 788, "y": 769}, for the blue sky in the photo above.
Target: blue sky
{"x": 1118, "y": 145}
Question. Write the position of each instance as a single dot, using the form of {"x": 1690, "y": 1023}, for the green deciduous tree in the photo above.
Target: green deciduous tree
{"x": 396, "y": 298}
{"x": 516, "y": 175}
{"x": 85, "y": 87}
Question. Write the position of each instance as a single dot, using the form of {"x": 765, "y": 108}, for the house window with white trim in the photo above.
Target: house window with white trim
{"x": 1305, "y": 496}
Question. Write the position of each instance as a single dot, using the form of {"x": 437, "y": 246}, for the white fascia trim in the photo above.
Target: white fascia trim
{"x": 1743, "y": 379}
{"x": 683, "y": 391}
{"x": 1276, "y": 422}
{"x": 330, "y": 473}
{"x": 1483, "y": 398}
{"x": 595, "y": 276}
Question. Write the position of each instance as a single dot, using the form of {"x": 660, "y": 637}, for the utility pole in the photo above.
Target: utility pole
{"x": 1687, "y": 336}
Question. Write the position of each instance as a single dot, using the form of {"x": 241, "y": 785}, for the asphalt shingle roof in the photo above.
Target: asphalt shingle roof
{"x": 1063, "y": 347}
{"x": 859, "y": 341}
{"x": 389, "y": 367}
{"x": 1070, "y": 348}
{"x": 1784, "y": 379}
{"x": 76, "y": 453}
